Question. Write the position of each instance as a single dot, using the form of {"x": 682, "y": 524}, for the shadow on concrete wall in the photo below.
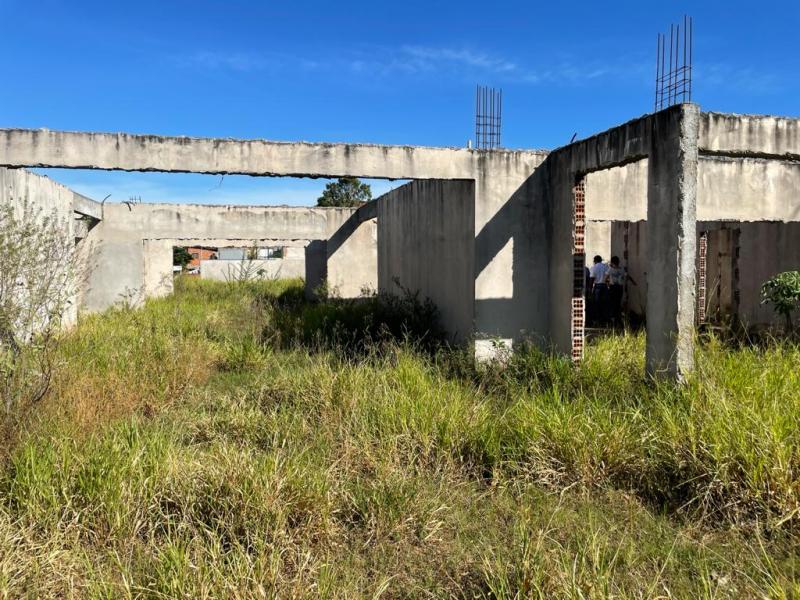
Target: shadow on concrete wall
{"x": 523, "y": 220}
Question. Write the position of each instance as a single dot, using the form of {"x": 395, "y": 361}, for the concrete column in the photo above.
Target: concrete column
{"x": 561, "y": 246}
{"x": 671, "y": 232}
{"x": 316, "y": 254}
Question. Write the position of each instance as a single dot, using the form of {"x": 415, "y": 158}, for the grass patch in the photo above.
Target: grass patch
{"x": 232, "y": 441}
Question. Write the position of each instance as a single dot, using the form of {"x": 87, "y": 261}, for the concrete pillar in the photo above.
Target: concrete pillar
{"x": 671, "y": 232}
{"x": 561, "y": 238}
{"x": 316, "y": 266}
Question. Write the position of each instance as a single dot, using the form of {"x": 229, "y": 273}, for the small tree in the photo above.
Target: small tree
{"x": 783, "y": 292}
{"x": 346, "y": 192}
{"x": 36, "y": 286}
{"x": 181, "y": 257}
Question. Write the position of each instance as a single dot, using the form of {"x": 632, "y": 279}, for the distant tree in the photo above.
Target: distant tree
{"x": 347, "y": 192}
{"x": 783, "y": 292}
{"x": 181, "y": 256}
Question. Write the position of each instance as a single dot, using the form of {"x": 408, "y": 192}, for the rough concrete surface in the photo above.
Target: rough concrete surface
{"x": 426, "y": 244}
{"x": 516, "y": 282}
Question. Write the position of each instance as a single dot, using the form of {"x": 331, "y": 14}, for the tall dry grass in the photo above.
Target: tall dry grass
{"x": 213, "y": 445}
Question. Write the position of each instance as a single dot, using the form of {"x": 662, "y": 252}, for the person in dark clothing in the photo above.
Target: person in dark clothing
{"x": 615, "y": 278}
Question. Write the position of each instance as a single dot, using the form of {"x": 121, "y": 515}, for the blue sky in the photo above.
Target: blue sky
{"x": 384, "y": 72}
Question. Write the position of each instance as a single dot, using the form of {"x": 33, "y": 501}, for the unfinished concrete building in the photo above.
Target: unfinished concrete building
{"x": 497, "y": 239}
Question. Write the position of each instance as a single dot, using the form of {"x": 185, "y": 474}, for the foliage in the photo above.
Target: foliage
{"x": 345, "y": 192}
{"x": 246, "y": 269}
{"x": 353, "y": 326}
{"x": 783, "y": 292}
{"x": 181, "y": 256}
{"x": 267, "y": 467}
{"x": 36, "y": 271}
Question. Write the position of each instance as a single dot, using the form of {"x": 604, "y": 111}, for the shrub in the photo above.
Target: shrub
{"x": 36, "y": 272}
{"x": 353, "y": 325}
{"x": 783, "y": 292}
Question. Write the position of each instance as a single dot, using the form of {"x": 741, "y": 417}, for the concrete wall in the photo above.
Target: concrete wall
{"x": 352, "y": 267}
{"x": 19, "y": 187}
{"x": 274, "y": 268}
{"x": 426, "y": 244}
{"x": 765, "y": 249}
{"x": 729, "y": 188}
{"x": 132, "y": 254}
{"x": 763, "y": 136}
{"x": 669, "y": 140}
{"x": 510, "y": 216}
{"x": 735, "y": 167}
{"x": 598, "y": 240}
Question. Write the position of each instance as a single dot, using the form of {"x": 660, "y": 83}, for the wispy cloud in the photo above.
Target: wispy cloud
{"x": 418, "y": 62}
{"x": 470, "y": 63}
{"x": 434, "y": 58}
{"x": 742, "y": 78}
{"x": 240, "y": 61}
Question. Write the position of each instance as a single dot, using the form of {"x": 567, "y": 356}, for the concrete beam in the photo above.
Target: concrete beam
{"x": 671, "y": 230}
{"x": 759, "y": 136}
{"x": 367, "y": 211}
{"x": 128, "y": 152}
{"x": 621, "y": 145}
{"x": 86, "y": 206}
{"x": 729, "y": 188}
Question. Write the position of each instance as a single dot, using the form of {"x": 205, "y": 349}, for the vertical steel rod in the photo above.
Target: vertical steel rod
{"x": 674, "y": 71}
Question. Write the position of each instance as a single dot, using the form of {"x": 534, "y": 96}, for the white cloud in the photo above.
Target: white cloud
{"x": 459, "y": 62}
{"x": 741, "y": 78}
{"x": 469, "y": 63}
{"x": 438, "y": 57}
{"x": 241, "y": 61}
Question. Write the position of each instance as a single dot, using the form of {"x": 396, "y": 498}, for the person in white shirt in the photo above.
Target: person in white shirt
{"x": 597, "y": 274}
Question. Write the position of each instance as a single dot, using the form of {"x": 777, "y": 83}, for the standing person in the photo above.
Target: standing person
{"x": 615, "y": 277}
{"x": 597, "y": 275}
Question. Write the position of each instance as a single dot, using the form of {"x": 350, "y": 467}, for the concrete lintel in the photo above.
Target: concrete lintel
{"x": 128, "y": 152}
{"x": 671, "y": 230}
{"x": 749, "y": 136}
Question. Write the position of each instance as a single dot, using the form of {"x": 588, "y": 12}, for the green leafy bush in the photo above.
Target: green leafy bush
{"x": 783, "y": 292}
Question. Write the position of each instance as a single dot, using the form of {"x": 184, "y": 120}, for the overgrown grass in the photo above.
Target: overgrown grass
{"x": 232, "y": 441}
